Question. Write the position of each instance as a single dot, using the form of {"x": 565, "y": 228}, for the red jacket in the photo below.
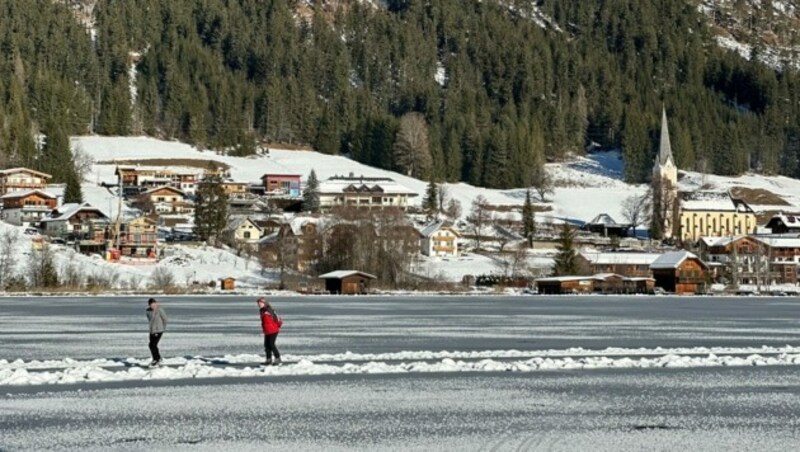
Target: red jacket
{"x": 268, "y": 325}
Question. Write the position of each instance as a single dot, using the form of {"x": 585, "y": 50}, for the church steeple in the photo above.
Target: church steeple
{"x": 664, "y": 147}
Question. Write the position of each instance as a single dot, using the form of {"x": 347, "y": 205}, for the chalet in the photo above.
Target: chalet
{"x": 714, "y": 214}
{"x": 439, "y": 240}
{"x": 242, "y": 231}
{"x": 784, "y": 223}
{"x": 296, "y": 244}
{"x": 138, "y": 238}
{"x": 76, "y": 222}
{"x": 282, "y": 184}
{"x": 606, "y": 226}
{"x": 136, "y": 179}
{"x": 25, "y": 208}
{"x": 164, "y": 200}
{"x": 22, "y": 179}
{"x": 347, "y": 282}
{"x": 783, "y": 255}
{"x": 235, "y": 189}
{"x": 680, "y": 272}
{"x": 625, "y": 264}
{"x": 366, "y": 192}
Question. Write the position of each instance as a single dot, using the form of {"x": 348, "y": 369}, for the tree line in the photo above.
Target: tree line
{"x": 496, "y": 94}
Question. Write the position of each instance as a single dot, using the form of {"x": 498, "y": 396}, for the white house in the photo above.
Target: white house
{"x": 243, "y": 230}
{"x": 369, "y": 192}
{"x": 438, "y": 240}
{"x": 74, "y": 220}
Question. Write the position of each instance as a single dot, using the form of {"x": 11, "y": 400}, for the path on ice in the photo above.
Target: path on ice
{"x": 70, "y": 371}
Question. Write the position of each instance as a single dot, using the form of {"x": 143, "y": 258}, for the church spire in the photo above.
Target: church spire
{"x": 664, "y": 146}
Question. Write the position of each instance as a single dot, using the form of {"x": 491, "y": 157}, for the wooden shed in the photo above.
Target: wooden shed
{"x": 558, "y": 285}
{"x": 227, "y": 283}
{"x": 347, "y": 282}
{"x": 680, "y": 272}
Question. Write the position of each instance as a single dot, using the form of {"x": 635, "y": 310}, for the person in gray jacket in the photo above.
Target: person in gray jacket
{"x": 158, "y": 324}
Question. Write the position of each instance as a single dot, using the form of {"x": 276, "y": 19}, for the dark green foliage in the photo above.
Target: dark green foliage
{"x": 565, "y": 261}
{"x": 430, "y": 204}
{"x": 211, "y": 208}
{"x": 228, "y": 75}
{"x": 311, "y": 193}
{"x": 528, "y": 219}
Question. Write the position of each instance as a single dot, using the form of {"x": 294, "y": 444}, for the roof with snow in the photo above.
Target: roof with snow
{"x": 67, "y": 211}
{"x": 384, "y": 185}
{"x": 435, "y": 226}
{"x": 712, "y": 201}
{"x": 621, "y": 258}
{"x": 790, "y": 220}
{"x": 22, "y": 194}
{"x": 780, "y": 241}
{"x": 606, "y": 220}
{"x": 165, "y": 187}
{"x": 10, "y": 171}
{"x": 673, "y": 260}
{"x": 341, "y": 274}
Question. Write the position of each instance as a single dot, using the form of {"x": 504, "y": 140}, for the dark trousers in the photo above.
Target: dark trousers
{"x": 154, "y": 338}
{"x": 269, "y": 346}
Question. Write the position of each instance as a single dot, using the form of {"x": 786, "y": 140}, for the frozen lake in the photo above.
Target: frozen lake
{"x": 449, "y": 391}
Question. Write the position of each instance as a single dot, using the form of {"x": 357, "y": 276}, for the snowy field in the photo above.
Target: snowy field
{"x": 396, "y": 373}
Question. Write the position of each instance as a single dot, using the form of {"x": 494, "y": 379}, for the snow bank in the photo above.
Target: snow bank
{"x": 102, "y": 370}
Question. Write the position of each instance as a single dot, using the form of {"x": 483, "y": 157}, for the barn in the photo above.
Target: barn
{"x": 347, "y": 282}
{"x": 680, "y": 272}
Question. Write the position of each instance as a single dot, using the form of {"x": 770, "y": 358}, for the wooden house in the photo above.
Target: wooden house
{"x": 227, "y": 283}
{"x": 621, "y": 263}
{"x": 25, "y": 208}
{"x": 76, "y": 222}
{"x": 347, "y": 282}
{"x": 680, "y": 272}
{"x": 138, "y": 238}
{"x": 22, "y": 179}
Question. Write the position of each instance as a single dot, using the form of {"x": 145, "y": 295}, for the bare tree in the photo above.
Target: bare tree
{"x": 453, "y": 210}
{"x": 412, "y": 155}
{"x": 479, "y": 216}
{"x": 444, "y": 197}
{"x": 634, "y": 210}
{"x": 72, "y": 276}
{"x": 41, "y": 268}
{"x": 82, "y": 162}
{"x": 162, "y": 278}
{"x": 8, "y": 256}
{"x": 542, "y": 182}
{"x": 664, "y": 207}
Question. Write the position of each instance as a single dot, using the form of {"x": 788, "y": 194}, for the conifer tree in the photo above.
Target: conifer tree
{"x": 430, "y": 204}
{"x": 211, "y": 207}
{"x": 565, "y": 262}
{"x": 311, "y": 193}
{"x": 528, "y": 219}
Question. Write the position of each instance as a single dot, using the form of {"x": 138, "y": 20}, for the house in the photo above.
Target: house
{"x": 559, "y": 285}
{"x": 22, "y": 179}
{"x": 606, "y": 226}
{"x": 439, "y": 240}
{"x": 282, "y": 184}
{"x": 296, "y": 244}
{"x": 347, "y": 282}
{"x": 784, "y": 223}
{"x": 604, "y": 283}
{"x": 164, "y": 200}
{"x": 367, "y": 192}
{"x": 28, "y": 207}
{"x": 135, "y": 179}
{"x": 714, "y": 214}
{"x": 76, "y": 222}
{"x": 625, "y": 264}
{"x": 242, "y": 230}
{"x": 138, "y": 238}
{"x": 680, "y": 272}
{"x": 235, "y": 189}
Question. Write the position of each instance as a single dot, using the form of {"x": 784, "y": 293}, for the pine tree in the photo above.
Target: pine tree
{"x": 73, "y": 192}
{"x": 565, "y": 262}
{"x": 311, "y": 194}
{"x": 211, "y": 207}
{"x": 528, "y": 219}
{"x": 431, "y": 202}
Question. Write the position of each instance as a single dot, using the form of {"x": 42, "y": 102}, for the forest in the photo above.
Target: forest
{"x": 498, "y": 92}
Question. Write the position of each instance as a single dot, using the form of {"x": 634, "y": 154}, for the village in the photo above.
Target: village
{"x": 358, "y": 233}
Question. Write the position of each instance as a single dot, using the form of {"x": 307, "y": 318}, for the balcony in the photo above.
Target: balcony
{"x": 444, "y": 249}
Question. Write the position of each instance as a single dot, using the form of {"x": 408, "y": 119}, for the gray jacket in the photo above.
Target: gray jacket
{"x": 157, "y": 319}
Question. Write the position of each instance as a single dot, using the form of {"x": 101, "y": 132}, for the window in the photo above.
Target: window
{"x": 246, "y": 234}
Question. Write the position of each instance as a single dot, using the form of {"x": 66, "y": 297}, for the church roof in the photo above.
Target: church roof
{"x": 664, "y": 146}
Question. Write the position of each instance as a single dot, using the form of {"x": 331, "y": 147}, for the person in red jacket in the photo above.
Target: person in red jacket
{"x": 270, "y": 326}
